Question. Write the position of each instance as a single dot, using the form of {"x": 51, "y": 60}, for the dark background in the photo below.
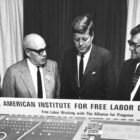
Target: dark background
{"x": 52, "y": 19}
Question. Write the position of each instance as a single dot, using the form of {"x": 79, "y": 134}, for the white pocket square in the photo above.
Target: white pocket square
{"x": 93, "y": 72}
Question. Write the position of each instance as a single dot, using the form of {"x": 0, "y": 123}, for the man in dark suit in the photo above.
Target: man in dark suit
{"x": 86, "y": 68}
{"x": 128, "y": 85}
{"x": 34, "y": 77}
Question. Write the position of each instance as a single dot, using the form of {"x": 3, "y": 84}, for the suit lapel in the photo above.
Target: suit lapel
{"x": 91, "y": 62}
{"x": 131, "y": 71}
{"x": 26, "y": 76}
{"x": 73, "y": 70}
{"x": 47, "y": 71}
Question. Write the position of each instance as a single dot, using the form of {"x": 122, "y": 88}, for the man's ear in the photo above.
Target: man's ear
{"x": 27, "y": 52}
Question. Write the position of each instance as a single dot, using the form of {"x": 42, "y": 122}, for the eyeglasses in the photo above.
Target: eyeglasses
{"x": 131, "y": 43}
{"x": 40, "y": 51}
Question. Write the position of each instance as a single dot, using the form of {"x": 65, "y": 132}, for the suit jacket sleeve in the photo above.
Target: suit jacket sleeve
{"x": 66, "y": 90}
{"x": 124, "y": 85}
{"x": 109, "y": 76}
{"x": 118, "y": 95}
{"x": 8, "y": 89}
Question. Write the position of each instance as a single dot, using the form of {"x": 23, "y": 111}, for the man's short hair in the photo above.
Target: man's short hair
{"x": 82, "y": 23}
{"x": 135, "y": 30}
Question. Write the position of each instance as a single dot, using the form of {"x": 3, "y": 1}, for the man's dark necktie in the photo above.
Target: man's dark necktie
{"x": 39, "y": 83}
{"x": 81, "y": 69}
{"x": 136, "y": 76}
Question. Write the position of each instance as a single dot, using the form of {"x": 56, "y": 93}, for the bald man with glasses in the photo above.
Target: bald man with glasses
{"x": 35, "y": 76}
{"x": 129, "y": 82}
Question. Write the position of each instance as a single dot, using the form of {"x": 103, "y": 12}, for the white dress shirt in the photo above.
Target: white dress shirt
{"x": 85, "y": 61}
{"x": 33, "y": 71}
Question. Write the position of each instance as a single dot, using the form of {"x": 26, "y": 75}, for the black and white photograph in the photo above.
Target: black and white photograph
{"x": 69, "y": 69}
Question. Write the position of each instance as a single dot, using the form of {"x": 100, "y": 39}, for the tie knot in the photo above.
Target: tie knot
{"x": 82, "y": 56}
{"x": 38, "y": 67}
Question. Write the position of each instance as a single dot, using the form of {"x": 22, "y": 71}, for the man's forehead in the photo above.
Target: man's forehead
{"x": 77, "y": 35}
{"x": 34, "y": 41}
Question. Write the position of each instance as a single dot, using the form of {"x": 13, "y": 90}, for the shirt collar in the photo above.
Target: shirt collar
{"x": 31, "y": 65}
{"x": 86, "y": 55}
